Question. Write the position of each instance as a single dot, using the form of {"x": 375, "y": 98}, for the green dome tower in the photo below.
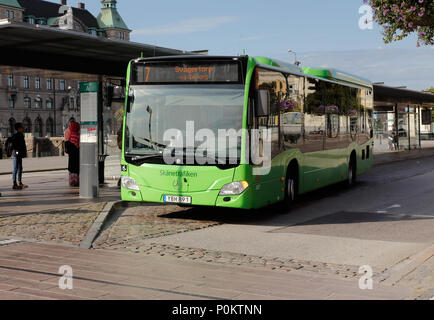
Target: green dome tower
{"x": 111, "y": 21}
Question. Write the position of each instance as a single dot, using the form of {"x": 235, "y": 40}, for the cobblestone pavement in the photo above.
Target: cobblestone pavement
{"x": 137, "y": 223}
{"x": 30, "y": 271}
{"x": 277, "y": 264}
{"x": 66, "y": 226}
{"x": 421, "y": 280}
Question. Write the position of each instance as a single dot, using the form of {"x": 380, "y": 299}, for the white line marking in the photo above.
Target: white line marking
{"x": 395, "y": 206}
{"x": 6, "y": 242}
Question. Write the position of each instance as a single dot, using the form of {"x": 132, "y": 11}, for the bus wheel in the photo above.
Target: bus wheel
{"x": 291, "y": 184}
{"x": 352, "y": 173}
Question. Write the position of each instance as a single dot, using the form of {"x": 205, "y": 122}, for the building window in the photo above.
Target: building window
{"x": 7, "y": 14}
{"x": 71, "y": 103}
{"x": 12, "y": 15}
{"x": 49, "y": 104}
{"x": 38, "y": 127}
{"x": 121, "y": 35}
{"x": 31, "y": 20}
{"x": 49, "y": 84}
{"x": 38, "y": 103}
{"x": 11, "y": 102}
{"x": 38, "y": 83}
{"x": 11, "y": 130}
{"x": 49, "y": 127}
{"x": 10, "y": 80}
{"x": 62, "y": 85}
{"x": 27, "y": 102}
{"x": 26, "y": 82}
{"x": 27, "y": 125}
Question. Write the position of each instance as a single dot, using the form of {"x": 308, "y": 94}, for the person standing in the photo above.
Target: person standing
{"x": 19, "y": 151}
{"x": 72, "y": 146}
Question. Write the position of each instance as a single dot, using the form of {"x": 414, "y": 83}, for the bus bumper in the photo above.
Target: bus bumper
{"x": 210, "y": 198}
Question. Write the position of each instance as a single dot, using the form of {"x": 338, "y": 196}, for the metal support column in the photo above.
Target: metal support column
{"x": 101, "y": 154}
{"x": 396, "y": 125}
{"x": 90, "y": 100}
{"x": 408, "y": 128}
{"x": 418, "y": 125}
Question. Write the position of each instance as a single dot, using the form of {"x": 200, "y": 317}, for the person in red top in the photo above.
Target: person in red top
{"x": 72, "y": 146}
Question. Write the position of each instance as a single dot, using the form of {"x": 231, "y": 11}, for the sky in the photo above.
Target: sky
{"x": 322, "y": 33}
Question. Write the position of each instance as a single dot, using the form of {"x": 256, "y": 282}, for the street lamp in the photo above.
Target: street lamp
{"x": 297, "y": 63}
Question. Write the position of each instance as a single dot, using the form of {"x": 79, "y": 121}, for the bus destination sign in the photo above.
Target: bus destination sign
{"x": 188, "y": 72}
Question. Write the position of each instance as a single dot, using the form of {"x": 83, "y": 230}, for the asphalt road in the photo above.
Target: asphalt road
{"x": 387, "y": 217}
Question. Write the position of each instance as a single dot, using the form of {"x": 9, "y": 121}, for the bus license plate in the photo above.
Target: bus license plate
{"x": 177, "y": 199}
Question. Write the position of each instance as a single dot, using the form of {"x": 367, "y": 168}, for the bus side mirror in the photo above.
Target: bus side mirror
{"x": 130, "y": 100}
{"x": 262, "y": 103}
{"x": 250, "y": 113}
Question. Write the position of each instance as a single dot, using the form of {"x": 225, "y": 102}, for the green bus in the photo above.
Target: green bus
{"x": 293, "y": 130}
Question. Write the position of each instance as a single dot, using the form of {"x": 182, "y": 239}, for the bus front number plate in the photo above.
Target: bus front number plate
{"x": 177, "y": 199}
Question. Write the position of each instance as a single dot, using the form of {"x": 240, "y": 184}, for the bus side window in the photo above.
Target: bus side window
{"x": 314, "y": 116}
{"x": 275, "y": 83}
{"x": 291, "y": 113}
{"x": 354, "y": 112}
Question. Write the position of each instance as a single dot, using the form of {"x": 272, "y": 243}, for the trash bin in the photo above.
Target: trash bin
{"x": 101, "y": 167}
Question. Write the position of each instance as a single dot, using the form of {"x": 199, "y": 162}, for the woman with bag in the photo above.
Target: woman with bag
{"x": 72, "y": 148}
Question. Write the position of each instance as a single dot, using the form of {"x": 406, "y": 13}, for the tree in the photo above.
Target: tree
{"x": 431, "y": 90}
{"x": 400, "y": 18}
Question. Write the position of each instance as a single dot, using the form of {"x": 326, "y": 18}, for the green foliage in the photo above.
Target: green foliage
{"x": 400, "y": 18}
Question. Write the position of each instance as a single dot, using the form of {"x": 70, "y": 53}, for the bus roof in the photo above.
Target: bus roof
{"x": 328, "y": 74}
{"x": 278, "y": 64}
{"x": 337, "y": 75}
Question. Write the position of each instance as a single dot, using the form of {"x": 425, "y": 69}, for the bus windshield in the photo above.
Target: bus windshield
{"x": 155, "y": 109}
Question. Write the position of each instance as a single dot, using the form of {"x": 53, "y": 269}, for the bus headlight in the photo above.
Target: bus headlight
{"x": 129, "y": 183}
{"x": 234, "y": 188}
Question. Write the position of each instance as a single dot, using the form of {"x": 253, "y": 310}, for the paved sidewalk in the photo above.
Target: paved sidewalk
{"x": 112, "y": 164}
{"x": 47, "y": 191}
{"x": 36, "y": 164}
{"x": 111, "y": 170}
{"x": 30, "y": 271}
{"x": 395, "y": 156}
{"x": 49, "y": 210}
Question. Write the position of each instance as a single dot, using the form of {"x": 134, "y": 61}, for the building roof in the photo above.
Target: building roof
{"x": 109, "y": 17}
{"x": 10, "y": 3}
{"x": 44, "y": 47}
{"x": 46, "y": 9}
{"x": 384, "y": 95}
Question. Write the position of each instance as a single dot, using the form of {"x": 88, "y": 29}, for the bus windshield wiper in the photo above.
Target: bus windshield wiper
{"x": 137, "y": 157}
{"x": 150, "y": 143}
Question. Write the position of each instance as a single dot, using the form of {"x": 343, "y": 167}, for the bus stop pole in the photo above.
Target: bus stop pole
{"x": 101, "y": 153}
{"x": 89, "y": 93}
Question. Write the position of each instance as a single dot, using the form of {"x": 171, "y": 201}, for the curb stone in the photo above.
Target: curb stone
{"x": 98, "y": 224}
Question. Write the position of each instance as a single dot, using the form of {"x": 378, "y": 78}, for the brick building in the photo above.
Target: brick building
{"x": 45, "y": 104}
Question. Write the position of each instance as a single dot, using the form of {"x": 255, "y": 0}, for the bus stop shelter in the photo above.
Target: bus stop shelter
{"x": 404, "y": 119}
{"x": 76, "y": 56}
